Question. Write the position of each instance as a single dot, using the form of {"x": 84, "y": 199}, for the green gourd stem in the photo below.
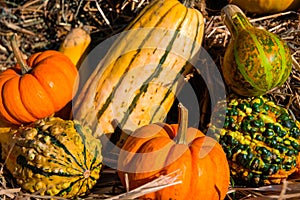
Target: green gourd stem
{"x": 188, "y": 3}
{"x": 18, "y": 55}
{"x": 235, "y": 19}
{"x": 182, "y": 124}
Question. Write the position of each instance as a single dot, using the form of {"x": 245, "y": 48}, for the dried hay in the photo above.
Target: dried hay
{"x": 43, "y": 24}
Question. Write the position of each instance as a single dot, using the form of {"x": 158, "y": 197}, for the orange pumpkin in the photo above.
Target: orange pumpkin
{"x": 37, "y": 88}
{"x": 160, "y": 149}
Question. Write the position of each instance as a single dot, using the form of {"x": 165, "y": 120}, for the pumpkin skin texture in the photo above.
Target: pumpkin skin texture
{"x": 151, "y": 151}
{"x": 137, "y": 81}
{"x": 255, "y": 61}
{"x": 266, "y": 6}
{"x": 45, "y": 89}
{"x": 53, "y": 157}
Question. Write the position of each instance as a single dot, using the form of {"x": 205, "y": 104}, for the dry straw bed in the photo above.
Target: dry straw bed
{"x": 43, "y": 24}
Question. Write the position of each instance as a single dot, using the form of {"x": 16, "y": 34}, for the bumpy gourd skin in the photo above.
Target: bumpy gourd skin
{"x": 261, "y": 140}
{"x": 53, "y": 157}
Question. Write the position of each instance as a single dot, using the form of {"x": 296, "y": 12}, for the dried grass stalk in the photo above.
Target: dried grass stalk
{"x": 153, "y": 186}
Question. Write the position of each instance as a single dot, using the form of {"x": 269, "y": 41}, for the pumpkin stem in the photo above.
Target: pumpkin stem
{"x": 18, "y": 55}
{"x": 182, "y": 124}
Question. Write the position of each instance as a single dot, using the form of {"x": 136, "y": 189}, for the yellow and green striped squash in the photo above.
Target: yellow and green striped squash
{"x": 53, "y": 157}
{"x": 256, "y": 60}
{"x": 136, "y": 82}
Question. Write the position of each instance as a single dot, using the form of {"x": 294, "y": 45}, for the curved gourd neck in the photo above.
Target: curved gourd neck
{"x": 235, "y": 20}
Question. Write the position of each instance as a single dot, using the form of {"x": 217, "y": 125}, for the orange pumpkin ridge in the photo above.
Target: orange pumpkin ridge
{"x": 46, "y": 83}
{"x": 151, "y": 151}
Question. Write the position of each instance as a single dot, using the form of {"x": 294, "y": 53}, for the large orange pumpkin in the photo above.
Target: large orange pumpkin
{"x": 159, "y": 149}
{"x": 38, "y": 88}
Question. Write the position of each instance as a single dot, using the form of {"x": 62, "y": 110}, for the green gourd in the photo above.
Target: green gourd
{"x": 256, "y": 60}
{"x": 261, "y": 140}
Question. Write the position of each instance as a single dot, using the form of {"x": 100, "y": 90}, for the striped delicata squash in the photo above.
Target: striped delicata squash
{"x": 136, "y": 82}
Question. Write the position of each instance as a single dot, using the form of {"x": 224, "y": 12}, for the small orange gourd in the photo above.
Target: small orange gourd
{"x": 159, "y": 149}
{"x": 37, "y": 88}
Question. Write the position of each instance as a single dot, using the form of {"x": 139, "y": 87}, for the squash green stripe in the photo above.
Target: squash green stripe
{"x": 282, "y": 53}
{"x": 68, "y": 189}
{"x": 62, "y": 163}
{"x": 97, "y": 152}
{"x": 112, "y": 94}
{"x": 156, "y": 73}
{"x": 266, "y": 64}
{"x": 167, "y": 94}
{"x": 78, "y": 129}
{"x": 21, "y": 160}
{"x": 57, "y": 143}
{"x": 82, "y": 183}
{"x": 93, "y": 161}
{"x": 141, "y": 15}
{"x": 178, "y": 75}
{"x": 239, "y": 22}
{"x": 145, "y": 10}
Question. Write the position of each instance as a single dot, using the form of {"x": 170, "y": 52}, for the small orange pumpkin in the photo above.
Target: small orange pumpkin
{"x": 37, "y": 88}
{"x": 160, "y": 149}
